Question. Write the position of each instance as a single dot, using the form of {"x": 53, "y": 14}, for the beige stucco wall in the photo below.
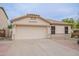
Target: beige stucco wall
{"x": 59, "y": 32}
{"x": 60, "y": 29}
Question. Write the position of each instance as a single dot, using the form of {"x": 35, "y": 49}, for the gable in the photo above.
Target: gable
{"x": 31, "y": 21}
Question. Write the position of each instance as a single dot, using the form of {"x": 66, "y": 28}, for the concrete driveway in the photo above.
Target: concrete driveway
{"x": 41, "y": 47}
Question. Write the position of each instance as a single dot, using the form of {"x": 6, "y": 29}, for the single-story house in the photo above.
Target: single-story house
{"x": 4, "y": 22}
{"x": 32, "y": 26}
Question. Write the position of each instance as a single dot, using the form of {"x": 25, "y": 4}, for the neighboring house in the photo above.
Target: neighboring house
{"x": 3, "y": 23}
{"x": 32, "y": 26}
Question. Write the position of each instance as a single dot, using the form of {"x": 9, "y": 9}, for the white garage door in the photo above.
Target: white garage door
{"x": 29, "y": 32}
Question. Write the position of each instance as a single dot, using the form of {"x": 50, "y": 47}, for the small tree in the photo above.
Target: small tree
{"x": 77, "y": 24}
{"x": 10, "y": 30}
{"x": 10, "y": 26}
{"x": 70, "y": 21}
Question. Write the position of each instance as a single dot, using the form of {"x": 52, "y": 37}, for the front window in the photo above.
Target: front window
{"x": 52, "y": 29}
{"x": 66, "y": 30}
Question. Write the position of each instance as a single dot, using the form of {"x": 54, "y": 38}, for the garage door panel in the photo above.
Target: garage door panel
{"x": 31, "y": 32}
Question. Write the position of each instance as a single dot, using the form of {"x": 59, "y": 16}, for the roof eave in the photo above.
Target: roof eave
{"x": 4, "y": 12}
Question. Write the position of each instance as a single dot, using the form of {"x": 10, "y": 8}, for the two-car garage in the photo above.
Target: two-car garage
{"x": 31, "y": 32}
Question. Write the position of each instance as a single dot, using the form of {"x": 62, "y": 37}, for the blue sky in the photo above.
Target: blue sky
{"x": 56, "y": 11}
